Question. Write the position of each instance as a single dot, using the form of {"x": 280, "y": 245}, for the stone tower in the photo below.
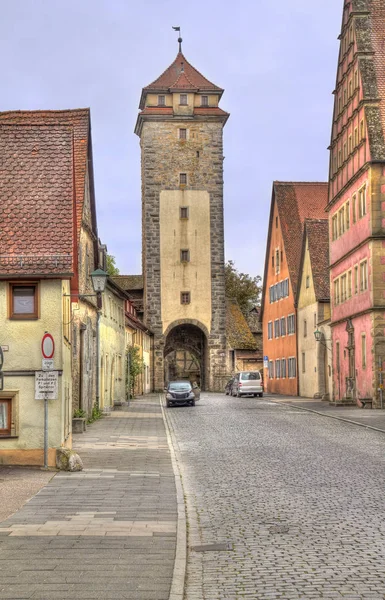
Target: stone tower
{"x": 181, "y": 137}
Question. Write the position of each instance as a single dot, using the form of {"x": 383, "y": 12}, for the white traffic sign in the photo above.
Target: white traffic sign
{"x": 46, "y": 385}
{"x": 47, "y": 346}
{"x": 47, "y": 364}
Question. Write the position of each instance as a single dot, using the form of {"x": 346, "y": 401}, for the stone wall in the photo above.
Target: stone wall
{"x": 164, "y": 157}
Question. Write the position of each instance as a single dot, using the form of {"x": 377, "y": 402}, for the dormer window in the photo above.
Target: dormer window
{"x": 161, "y": 100}
{"x": 183, "y": 99}
{"x": 204, "y": 101}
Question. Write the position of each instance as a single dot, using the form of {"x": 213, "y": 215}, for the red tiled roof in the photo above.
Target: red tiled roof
{"x": 37, "y": 199}
{"x": 239, "y": 336}
{"x": 129, "y": 282}
{"x": 157, "y": 110}
{"x": 181, "y": 75}
{"x": 210, "y": 110}
{"x": 297, "y": 201}
{"x": 317, "y": 231}
{"x": 79, "y": 121}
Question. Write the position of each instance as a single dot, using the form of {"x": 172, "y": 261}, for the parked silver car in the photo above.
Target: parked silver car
{"x": 247, "y": 383}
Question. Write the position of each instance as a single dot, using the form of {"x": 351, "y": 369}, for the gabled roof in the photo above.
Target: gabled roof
{"x": 239, "y": 336}
{"x": 37, "y": 199}
{"x": 296, "y": 201}
{"x": 79, "y": 121}
{"x": 129, "y": 282}
{"x": 316, "y": 232}
{"x": 180, "y": 76}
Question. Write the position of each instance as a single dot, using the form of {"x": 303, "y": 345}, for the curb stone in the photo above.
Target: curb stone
{"x": 179, "y": 573}
{"x": 317, "y": 412}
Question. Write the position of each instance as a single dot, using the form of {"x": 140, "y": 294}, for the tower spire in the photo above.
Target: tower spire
{"x": 179, "y": 38}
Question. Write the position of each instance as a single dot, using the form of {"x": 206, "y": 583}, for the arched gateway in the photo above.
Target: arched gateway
{"x": 185, "y": 354}
{"x": 181, "y": 137}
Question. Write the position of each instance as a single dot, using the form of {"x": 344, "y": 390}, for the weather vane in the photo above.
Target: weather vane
{"x": 179, "y": 38}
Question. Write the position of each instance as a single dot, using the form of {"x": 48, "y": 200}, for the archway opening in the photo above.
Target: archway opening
{"x": 185, "y": 355}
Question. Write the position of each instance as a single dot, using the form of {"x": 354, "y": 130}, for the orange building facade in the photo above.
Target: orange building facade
{"x": 291, "y": 204}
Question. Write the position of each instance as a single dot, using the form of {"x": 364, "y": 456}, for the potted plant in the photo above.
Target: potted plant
{"x": 79, "y": 421}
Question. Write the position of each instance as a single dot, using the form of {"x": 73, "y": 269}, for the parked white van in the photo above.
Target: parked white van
{"x": 247, "y": 383}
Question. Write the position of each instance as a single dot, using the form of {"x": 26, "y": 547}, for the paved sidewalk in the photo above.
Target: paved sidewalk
{"x": 362, "y": 416}
{"x": 108, "y": 532}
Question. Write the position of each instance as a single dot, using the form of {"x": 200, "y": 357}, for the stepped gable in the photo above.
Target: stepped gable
{"x": 297, "y": 201}
{"x": 37, "y": 199}
{"x": 180, "y": 75}
{"x": 79, "y": 121}
{"x": 317, "y": 231}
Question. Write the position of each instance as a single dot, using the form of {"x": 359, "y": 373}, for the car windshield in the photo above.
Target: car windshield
{"x": 252, "y": 375}
{"x": 179, "y": 386}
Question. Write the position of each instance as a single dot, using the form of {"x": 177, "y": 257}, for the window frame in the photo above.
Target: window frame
{"x": 204, "y": 100}
{"x": 11, "y": 397}
{"x": 163, "y": 101}
{"x": 181, "y": 177}
{"x": 363, "y": 351}
{"x": 23, "y": 316}
{"x": 182, "y": 103}
{"x": 188, "y": 298}
{"x": 181, "y": 209}
{"x": 183, "y": 136}
{"x": 185, "y": 255}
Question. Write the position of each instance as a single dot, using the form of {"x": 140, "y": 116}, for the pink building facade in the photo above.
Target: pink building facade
{"x": 356, "y": 207}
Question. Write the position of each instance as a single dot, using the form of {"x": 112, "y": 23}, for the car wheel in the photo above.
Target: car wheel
{"x": 239, "y": 394}
{"x": 168, "y": 404}
{"x": 192, "y": 403}
{"x": 260, "y": 395}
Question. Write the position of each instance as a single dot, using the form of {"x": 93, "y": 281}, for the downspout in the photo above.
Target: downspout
{"x": 99, "y": 307}
{"x": 296, "y": 344}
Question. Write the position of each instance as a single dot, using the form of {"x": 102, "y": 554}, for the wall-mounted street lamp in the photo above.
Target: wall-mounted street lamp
{"x": 99, "y": 280}
{"x": 319, "y": 337}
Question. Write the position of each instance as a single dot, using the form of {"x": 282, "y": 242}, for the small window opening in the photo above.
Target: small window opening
{"x": 183, "y": 99}
{"x": 161, "y": 100}
{"x": 185, "y": 255}
{"x": 204, "y": 101}
{"x": 182, "y": 178}
{"x": 184, "y": 212}
{"x": 183, "y": 134}
{"x": 185, "y": 298}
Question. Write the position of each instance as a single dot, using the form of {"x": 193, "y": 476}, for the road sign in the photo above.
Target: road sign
{"x": 265, "y": 362}
{"x": 47, "y": 346}
{"x": 47, "y": 364}
{"x": 46, "y": 385}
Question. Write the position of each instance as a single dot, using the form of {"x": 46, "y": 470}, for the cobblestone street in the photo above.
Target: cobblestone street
{"x": 299, "y": 496}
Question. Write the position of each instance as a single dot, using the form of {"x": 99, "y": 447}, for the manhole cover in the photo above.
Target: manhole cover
{"x": 279, "y": 529}
{"x": 213, "y": 547}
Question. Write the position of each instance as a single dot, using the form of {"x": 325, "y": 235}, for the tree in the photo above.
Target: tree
{"x": 112, "y": 269}
{"x": 135, "y": 368}
{"x": 246, "y": 290}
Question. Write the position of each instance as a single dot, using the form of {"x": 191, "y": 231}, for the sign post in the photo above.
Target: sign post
{"x": 46, "y": 384}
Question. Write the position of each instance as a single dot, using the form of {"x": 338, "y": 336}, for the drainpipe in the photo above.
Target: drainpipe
{"x": 99, "y": 310}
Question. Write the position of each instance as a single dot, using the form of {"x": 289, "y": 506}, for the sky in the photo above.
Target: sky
{"x": 276, "y": 61}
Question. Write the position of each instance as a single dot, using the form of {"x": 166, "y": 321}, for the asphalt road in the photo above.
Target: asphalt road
{"x": 299, "y": 497}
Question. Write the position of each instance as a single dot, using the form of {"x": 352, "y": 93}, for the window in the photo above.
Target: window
{"x": 283, "y": 368}
{"x": 350, "y": 88}
{"x": 356, "y": 279}
{"x": 305, "y": 328}
{"x": 271, "y": 369}
{"x": 363, "y": 349}
{"x": 349, "y": 284}
{"x": 350, "y": 144}
{"x": 364, "y": 276}
{"x": 185, "y": 298}
{"x": 303, "y": 363}
{"x": 334, "y": 228}
{"x": 276, "y": 222}
{"x": 278, "y": 369}
{"x": 277, "y": 328}
{"x": 339, "y": 158}
{"x": 307, "y": 281}
{"x": 183, "y": 178}
{"x": 355, "y": 136}
{"x": 292, "y": 367}
{"x": 345, "y": 151}
{"x": 356, "y": 79}
{"x": 204, "y": 101}
{"x": 362, "y": 202}
{"x": 338, "y": 356}
{"x": 354, "y": 208}
{"x": 272, "y": 261}
{"x": 270, "y": 330}
{"x": 347, "y": 215}
{"x": 343, "y": 288}
{"x": 277, "y": 261}
{"x": 341, "y": 221}
{"x": 362, "y": 130}
{"x": 291, "y": 324}
{"x": 183, "y": 212}
{"x": 183, "y": 134}
{"x": 161, "y": 100}
{"x": 5, "y": 416}
{"x": 185, "y": 255}
{"x": 283, "y": 326}
{"x": 23, "y": 301}
{"x": 183, "y": 99}
{"x": 337, "y": 291}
